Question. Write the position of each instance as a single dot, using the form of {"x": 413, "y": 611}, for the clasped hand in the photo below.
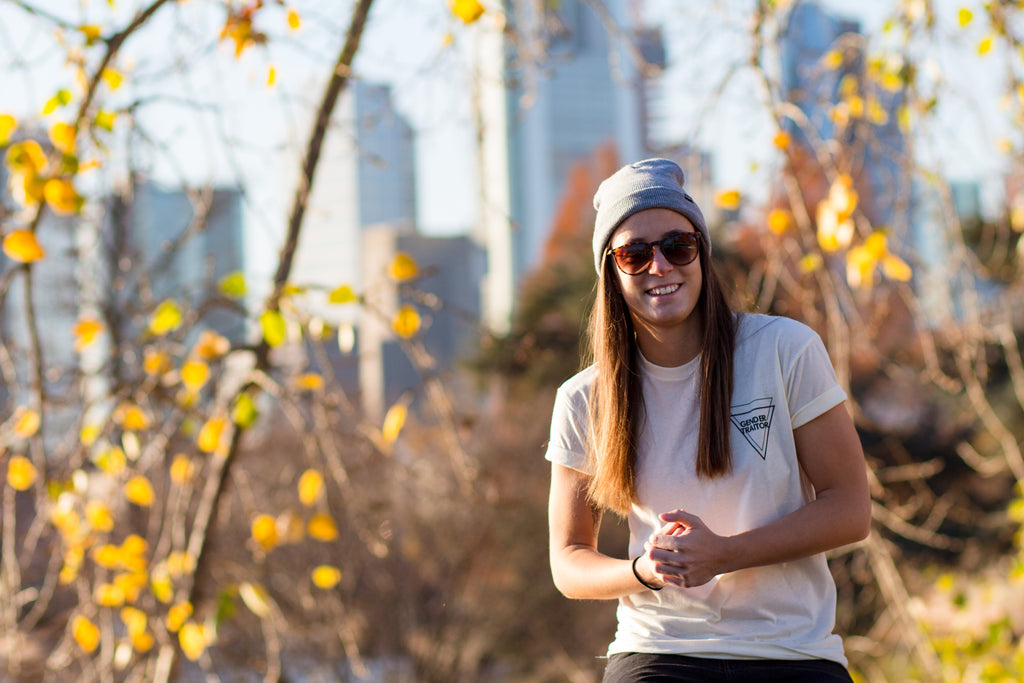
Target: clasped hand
{"x": 684, "y": 552}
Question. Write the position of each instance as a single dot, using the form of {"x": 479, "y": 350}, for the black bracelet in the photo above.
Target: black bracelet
{"x": 640, "y": 578}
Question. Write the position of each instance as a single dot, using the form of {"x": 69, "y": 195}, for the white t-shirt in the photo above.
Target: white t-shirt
{"x": 783, "y": 379}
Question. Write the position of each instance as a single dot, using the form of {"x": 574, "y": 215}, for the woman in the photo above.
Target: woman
{"x": 725, "y": 441}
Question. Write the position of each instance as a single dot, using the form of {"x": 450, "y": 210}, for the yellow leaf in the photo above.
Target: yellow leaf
{"x": 131, "y": 584}
{"x": 264, "y": 531}
{"x": 326, "y": 576}
{"x": 108, "y": 595}
{"x": 447, "y": 39}
{"x": 782, "y": 140}
{"x": 403, "y": 267}
{"x": 194, "y": 374}
{"x": 209, "y": 439}
{"x": 98, "y": 515}
{"x": 21, "y": 246}
{"x": 810, "y": 263}
{"x": 182, "y": 469}
{"x": 728, "y": 199}
{"x": 26, "y": 158}
{"x": 61, "y": 98}
{"x": 133, "y": 546}
{"x": 113, "y": 78}
{"x": 985, "y": 46}
{"x": 86, "y": 330}
{"x": 842, "y": 197}
{"x": 112, "y": 461}
{"x": 322, "y": 528}
{"x": 89, "y": 433}
{"x": 860, "y": 267}
{"x": 342, "y": 295}
{"x": 406, "y": 322}
{"x": 8, "y": 124}
{"x": 467, "y": 10}
{"x": 311, "y": 485}
{"x": 244, "y": 412}
{"x": 91, "y": 33}
{"x": 877, "y": 244}
{"x": 309, "y": 381}
{"x": 138, "y": 490}
{"x": 27, "y": 423}
{"x": 61, "y": 195}
{"x": 294, "y": 21}
{"x": 964, "y": 16}
{"x": 107, "y": 556}
{"x": 85, "y": 633}
{"x": 876, "y": 113}
{"x": 160, "y": 584}
{"x": 105, "y": 119}
{"x": 233, "y": 285}
{"x": 156, "y": 362}
{"x": 779, "y": 221}
{"x": 62, "y": 135}
{"x": 21, "y": 473}
{"x": 896, "y": 268}
{"x": 275, "y": 330}
{"x": 166, "y": 318}
{"x": 833, "y": 59}
{"x": 142, "y": 642}
{"x": 177, "y": 615}
{"x": 131, "y": 417}
{"x": 180, "y": 563}
{"x": 394, "y": 420}
{"x": 255, "y": 598}
{"x": 192, "y": 639}
{"x": 134, "y": 619}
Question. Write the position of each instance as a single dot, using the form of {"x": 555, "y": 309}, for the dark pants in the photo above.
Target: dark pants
{"x": 635, "y": 667}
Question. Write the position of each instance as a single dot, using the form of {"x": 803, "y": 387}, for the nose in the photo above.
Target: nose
{"x": 659, "y": 264}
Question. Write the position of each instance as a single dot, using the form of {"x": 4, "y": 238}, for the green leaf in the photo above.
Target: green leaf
{"x": 342, "y": 295}
{"x": 61, "y": 98}
{"x": 275, "y": 330}
{"x": 105, "y": 120}
{"x": 165, "y": 318}
{"x": 233, "y": 285}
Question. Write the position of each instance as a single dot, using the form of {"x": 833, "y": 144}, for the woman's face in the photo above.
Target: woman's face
{"x": 663, "y": 296}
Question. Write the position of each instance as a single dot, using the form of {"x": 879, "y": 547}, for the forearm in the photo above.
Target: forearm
{"x": 581, "y": 572}
{"x": 833, "y": 519}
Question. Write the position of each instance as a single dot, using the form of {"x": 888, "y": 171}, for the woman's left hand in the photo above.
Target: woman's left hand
{"x": 686, "y": 552}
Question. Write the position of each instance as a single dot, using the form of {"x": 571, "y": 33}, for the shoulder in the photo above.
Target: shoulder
{"x": 578, "y": 386}
{"x": 756, "y": 329}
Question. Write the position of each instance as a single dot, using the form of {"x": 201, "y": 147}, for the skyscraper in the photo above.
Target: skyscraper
{"x": 537, "y": 118}
{"x": 366, "y": 176}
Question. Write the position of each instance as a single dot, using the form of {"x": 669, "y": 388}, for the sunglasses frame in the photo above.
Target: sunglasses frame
{"x": 657, "y": 243}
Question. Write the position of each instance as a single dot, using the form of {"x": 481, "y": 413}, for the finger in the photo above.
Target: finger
{"x": 682, "y": 518}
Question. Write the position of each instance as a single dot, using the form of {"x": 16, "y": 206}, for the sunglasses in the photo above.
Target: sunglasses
{"x": 678, "y": 249}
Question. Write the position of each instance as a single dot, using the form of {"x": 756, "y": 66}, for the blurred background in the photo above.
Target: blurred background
{"x": 287, "y": 288}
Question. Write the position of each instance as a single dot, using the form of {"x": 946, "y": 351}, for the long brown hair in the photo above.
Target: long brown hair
{"x": 616, "y": 399}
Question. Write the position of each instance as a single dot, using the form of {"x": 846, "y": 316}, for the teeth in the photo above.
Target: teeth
{"x": 667, "y": 289}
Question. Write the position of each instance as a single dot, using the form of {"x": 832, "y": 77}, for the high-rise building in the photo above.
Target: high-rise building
{"x": 445, "y": 296}
{"x": 366, "y": 176}
{"x": 539, "y": 118}
{"x": 177, "y": 244}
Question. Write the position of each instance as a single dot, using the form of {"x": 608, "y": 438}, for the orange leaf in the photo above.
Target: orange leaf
{"x": 21, "y": 473}
{"x": 86, "y": 633}
{"x": 22, "y": 246}
{"x": 406, "y": 322}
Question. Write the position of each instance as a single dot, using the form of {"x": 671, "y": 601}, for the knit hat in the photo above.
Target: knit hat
{"x": 648, "y": 184}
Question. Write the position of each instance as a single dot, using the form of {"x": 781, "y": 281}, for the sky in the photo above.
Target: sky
{"x": 405, "y": 46}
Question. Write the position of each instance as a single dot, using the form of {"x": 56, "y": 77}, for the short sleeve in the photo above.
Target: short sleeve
{"x": 570, "y": 421}
{"x": 811, "y": 385}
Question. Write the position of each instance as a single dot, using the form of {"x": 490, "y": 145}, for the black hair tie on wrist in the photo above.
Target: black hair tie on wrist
{"x": 640, "y": 578}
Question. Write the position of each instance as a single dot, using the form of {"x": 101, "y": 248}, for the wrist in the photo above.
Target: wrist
{"x": 641, "y": 579}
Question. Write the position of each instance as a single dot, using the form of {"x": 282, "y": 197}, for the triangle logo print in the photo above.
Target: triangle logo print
{"x": 754, "y": 420}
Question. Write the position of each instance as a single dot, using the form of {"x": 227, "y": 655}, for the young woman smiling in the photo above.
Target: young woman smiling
{"x": 724, "y": 440}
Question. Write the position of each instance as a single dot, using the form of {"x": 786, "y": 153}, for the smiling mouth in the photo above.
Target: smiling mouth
{"x": 662, "y": 291}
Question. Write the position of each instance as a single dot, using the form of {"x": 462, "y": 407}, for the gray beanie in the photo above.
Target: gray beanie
{"x": 648, "y": 184}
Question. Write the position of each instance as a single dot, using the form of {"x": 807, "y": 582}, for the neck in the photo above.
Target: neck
{"x": 670, "y": 347}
